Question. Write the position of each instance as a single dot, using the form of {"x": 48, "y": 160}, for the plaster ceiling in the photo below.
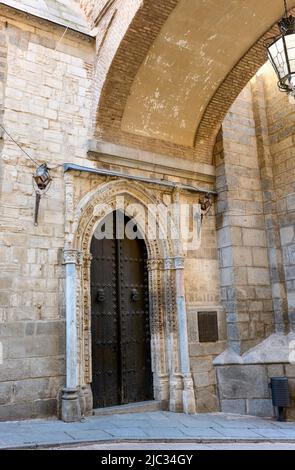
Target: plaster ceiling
{"x": 197, "y": 47}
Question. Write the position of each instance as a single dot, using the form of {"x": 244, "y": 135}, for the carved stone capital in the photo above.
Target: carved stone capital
{"x": 155, "y": 264}
{"x": 72, "y": 257}
{"x": 174, "y": 263}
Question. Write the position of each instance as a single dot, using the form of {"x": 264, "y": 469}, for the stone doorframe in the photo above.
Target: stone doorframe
{"x": 173, "y": 384}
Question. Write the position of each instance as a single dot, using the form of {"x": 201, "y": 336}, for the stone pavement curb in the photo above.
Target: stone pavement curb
{"x": 74, "y": 444}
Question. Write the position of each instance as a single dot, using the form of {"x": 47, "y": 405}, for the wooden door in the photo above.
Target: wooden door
{"x": 121, "y": 357}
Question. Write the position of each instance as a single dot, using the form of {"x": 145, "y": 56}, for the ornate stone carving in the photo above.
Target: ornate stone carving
{"x": 155, "y": 264}
{"x": 71, "y": 257}
{"x": 162, "y": 263}
{"x": 176, "y": 262}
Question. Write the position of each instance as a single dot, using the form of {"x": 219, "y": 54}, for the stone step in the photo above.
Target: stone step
{"x": 141, "y": 407}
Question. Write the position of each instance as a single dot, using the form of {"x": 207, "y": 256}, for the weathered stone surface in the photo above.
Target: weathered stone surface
{"x": 5, "y": 393}
{"x": 274, "y": 349}
{"x": 50, "y": 328}
{"x": 241, "y": 382}
{"x": 31, "y": 389}
{"x": 233, "y": 406}
{"x": 17, "y": 411}
{"x": 47, "y": 366}
{"x": 15, "y": 369}
{"x": 276, "y": 370}
{"x": 207, "y": 400}
{"x": 45, "y": 408}
{"x": 262, "y": 408}
{"x": 204, "y": 379}
{"x": 290, "y": 371}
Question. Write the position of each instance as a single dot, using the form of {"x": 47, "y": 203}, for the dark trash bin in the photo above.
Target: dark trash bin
{"x": 280, "y": 395}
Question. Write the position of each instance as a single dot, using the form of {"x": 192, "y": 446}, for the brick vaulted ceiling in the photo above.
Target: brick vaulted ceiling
{"x": 175, "y": 58}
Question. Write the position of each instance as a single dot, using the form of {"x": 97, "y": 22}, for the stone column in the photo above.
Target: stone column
{"x": 188, "y": 395}
{"x": 70, "y": 406}
{"x": 158, "y": 338}
{"x": 85, "y": 361}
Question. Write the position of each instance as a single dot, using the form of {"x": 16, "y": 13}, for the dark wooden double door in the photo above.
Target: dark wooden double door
{"x": 121, "y": 356}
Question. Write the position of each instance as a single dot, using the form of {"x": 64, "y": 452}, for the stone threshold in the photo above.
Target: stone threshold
{"x": 140, "y": 407}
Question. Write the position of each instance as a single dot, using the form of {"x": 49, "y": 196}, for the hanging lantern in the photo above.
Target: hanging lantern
{"x": 42, "y": 177}
{"x": 42, "y": 181}
{"x": 281, "y": 53}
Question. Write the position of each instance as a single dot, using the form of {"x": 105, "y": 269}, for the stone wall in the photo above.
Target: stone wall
{"x": 255, "y": 162}
{"x": 48, "y": 94}
{"x": 281, "y": 131}
{"x": 46, "y": 86}
{"x": 203, "y": 294}
{"x": 253, "y": 394}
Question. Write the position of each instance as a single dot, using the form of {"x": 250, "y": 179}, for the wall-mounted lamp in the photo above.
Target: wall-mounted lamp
{"x": 42, "y": 181}
{"x": 206, "y": 204}
{"x": 281, "y": 53}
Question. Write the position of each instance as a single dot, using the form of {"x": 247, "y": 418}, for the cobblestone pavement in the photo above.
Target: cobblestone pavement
{"x": 151, "y": 426}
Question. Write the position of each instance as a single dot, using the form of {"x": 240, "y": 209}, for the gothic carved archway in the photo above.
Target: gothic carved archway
{"x": 171, "y": 375}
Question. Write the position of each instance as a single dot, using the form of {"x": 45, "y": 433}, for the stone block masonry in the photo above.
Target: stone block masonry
{"x": 57, "y": 95}
{"x": 50, "y": 90}
{"x": 242, "y": 244}
{"x": 256, "y": 251}
{"x": 245, "y": 389}
{"x": 45, "y": 96}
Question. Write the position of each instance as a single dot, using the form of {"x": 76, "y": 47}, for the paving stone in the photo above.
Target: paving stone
{"x": 213, "y": 426}
{"x": 202, "y": 433}
{"x": 124, "y": 433}
{"x": 235, "y": 433}
{"x": 168, "y": 433}
{"x": 86, "y": 435}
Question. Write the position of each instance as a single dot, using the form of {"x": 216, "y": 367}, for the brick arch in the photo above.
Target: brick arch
{"x": 131, "y": 54}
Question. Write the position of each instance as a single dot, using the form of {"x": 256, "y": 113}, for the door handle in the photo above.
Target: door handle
{"x": 100, "y": 296}
{"x": 134, "y": 295}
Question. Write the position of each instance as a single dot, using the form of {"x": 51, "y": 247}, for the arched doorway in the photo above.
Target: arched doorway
{"x": 121, "y": 338}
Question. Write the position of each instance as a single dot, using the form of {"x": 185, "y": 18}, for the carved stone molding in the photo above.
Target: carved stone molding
{"x": 176, "y": 262}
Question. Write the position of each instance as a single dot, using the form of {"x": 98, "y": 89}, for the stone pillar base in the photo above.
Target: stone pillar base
{"x": 70, "y": 405}
{"x": 189, "y": 400}
{"x": 176, "y": 398}
{"x": 161, "y": 388}
{"x": 86, "y": 400}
